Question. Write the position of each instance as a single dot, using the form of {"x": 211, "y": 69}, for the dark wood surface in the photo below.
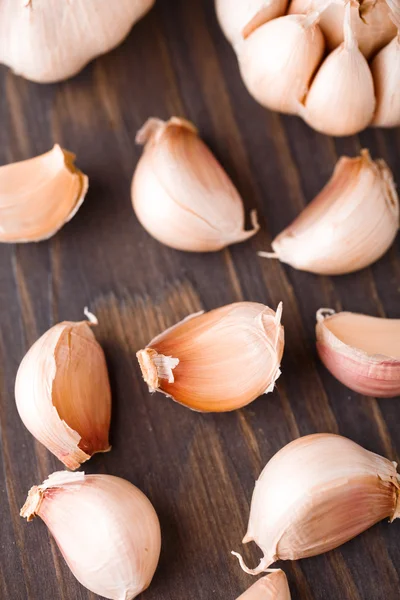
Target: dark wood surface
{"x": 198, "y": 470}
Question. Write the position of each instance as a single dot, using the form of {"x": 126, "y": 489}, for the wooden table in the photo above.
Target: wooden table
{"x": 198, "y": 470}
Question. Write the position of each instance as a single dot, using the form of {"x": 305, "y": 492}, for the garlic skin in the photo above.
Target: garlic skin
{"x": 271, "y": 587}
{"x": 362, "y": 352}
{"x": 217, "y": 361}
{"x": 386, "y": 74}
{"x": 348, "y": 226}
{"x": 180, "y": 193}
{"x": 278, "y": 60}
{"x": 239, "y": 19}
{"x": 317, "y": 493}
{"x": 39, "y": 195}
{"x": 48, "y": 40}
{"x": 63, "y": 393}
{"x": 106, "y": 529}
{"x": 331, "y": 106}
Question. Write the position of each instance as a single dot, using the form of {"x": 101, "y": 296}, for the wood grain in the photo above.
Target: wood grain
{"x": 198, "y": 470}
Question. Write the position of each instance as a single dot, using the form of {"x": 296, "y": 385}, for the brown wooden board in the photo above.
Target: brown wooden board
{"x": 198, "y": 470}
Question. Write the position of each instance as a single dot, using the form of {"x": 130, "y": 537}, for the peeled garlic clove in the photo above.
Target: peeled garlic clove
{"x": 39, "y": 195}
{"x": 239, "y": 19}
{"x": 386, "y": 73}
{"x": 362, "y": 352}
{"x": 278, "y": 60}
{"x": 217, "y": 361}
{"x": 181, "y": 194}
{"x": 106, "y": 529}
{"x": 331, "y": 106}
{"x": 271, "y": 587}
{"x": 63, "y": 393}
{"x": 348, "y": 226}
{"x": 317, "y": 493}
{"x": 48, "y": 40}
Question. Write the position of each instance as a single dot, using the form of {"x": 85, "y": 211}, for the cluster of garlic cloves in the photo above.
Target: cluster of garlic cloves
{"x": 217, "y": 361}
{"x": 181, "y": 194}
{"x": 50, "y": 41}
{"x": 271, "y": 587}
{"x": 39, "y": 195}
{"x": 106, "y": 528}
{"x": 317, "y": 493}
{"x": 63, "y": 393}
{"x": 348, "y": 226}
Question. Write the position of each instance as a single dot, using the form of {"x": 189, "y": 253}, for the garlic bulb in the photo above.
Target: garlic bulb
{"x": 372, "y": 25}
{"x": 181, "y": 194}
{"x": 239, "y": 19}
{"x": 271, "y": 587}
{"x": 317, "y": 493}
{"x": 106, "y": 529}
{"x": 63, "y": 394}
{"x": 49, "y": 40}
{"x": 217, "y": 361}
{"x": 278, "y": 60}
{"x": 348, "y": 226}
{"x": 331, "y": 106}
{"x": 39, "y": 195}
{"x": 360, "y": 351}
{"x": 386, "y": 74}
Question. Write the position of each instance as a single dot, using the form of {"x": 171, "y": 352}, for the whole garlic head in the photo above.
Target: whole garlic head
{"x": 51, "y": 40}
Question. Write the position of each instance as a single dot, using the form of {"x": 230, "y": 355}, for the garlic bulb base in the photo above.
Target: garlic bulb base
{"x": 156, "y": 366}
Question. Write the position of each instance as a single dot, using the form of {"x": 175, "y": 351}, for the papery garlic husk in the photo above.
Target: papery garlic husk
{"x": 271, "y": 587}
{"x": 386, "y": 74}
{"x": 39, "y": 195}
{"x": 217, "y": 361}
{"x": 239, "y": 19}
{"x": 362, "y": 352}
{"x": 348, "y": 226}
{"x": 63, "y": 393}
{"x": 371, "y": 22}
{"x": 48, "y": 40}
{"x": 181, "y": 194}
{"x": 332, "y": 106}
{"x": 106, "y": 529}
{"x": 317, "y": 493}
{"x": 278, "y": 60}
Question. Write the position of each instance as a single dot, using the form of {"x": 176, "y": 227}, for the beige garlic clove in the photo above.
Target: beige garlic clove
{"x": 63, "y": 393}
{"x": 217, "y": 361}
{"x": 271, "y": 587}
{"x": 386, "y": 73}
{"x": 362, "y": 352}
{"x": 371, "y": 22}
{"x": 106, "y": 529}
{"x": 348, "y": 226}
{"x": 239, "y": 19}
{"x": 39, "y": 195}
{"x": 278, "y": 60}
{"x": 331, "y": 106}
{"x": 317, "y": 493}
{"x": 48, "y": 40}
{"x": 181, "y": 194}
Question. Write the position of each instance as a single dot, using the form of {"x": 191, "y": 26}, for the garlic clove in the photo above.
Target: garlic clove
{"x": 348, "y": 226}
{"x": 181, "y": 194}
{"x": 39, "y": 195}
{"x": 63, "y": 393}
{"x": 386, "y": 74}
{"x": 362, "y": 352}
{"x": 271, "y": 587}
{"x": 106, "y": 529}
{"x": 47, "y": 40}
{"x": 331, "y": 106}
{"x": 317, "y": 493}
{"x": 239, "y": 19}
{"x": 217, "y": 361}
{"x": 278, "y": 60}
